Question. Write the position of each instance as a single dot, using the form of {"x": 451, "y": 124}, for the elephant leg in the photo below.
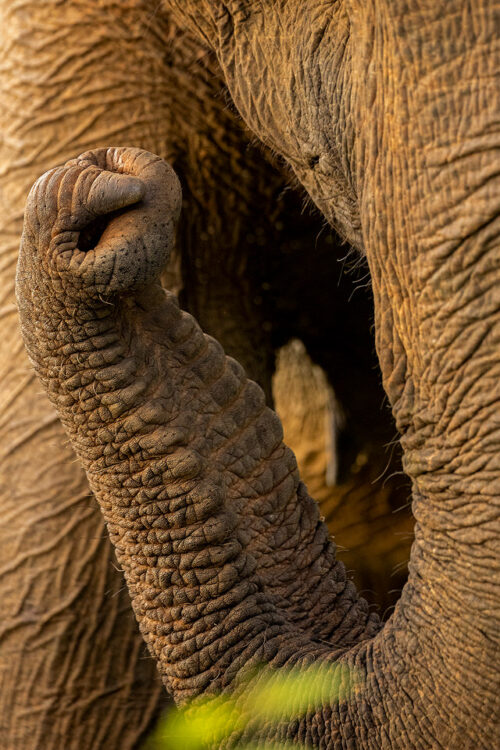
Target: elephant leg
{"x": 73, "y": 669}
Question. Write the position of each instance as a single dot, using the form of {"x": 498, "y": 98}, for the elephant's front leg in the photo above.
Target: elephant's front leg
{"x": 74, "y": 670}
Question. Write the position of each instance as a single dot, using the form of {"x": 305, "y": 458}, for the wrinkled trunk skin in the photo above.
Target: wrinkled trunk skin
{"x": 74, "y": 670}
{"x": 223, "y": 551}
{"x": 438, "y": 320}
{"x": 227, "y": 562}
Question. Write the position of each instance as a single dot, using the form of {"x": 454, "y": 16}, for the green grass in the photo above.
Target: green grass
{"x": 264, "y": 697}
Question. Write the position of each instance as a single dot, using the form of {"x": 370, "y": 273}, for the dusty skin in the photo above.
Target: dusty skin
{"x": 74, "y": 671}
{"x": 388, "y": 116}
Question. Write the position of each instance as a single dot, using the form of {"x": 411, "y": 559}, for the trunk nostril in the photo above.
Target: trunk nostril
{"x": 92, "y": 233}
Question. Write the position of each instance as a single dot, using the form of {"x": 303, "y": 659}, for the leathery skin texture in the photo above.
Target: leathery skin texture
{"x": 227, "y": 562}
{"x": 65, "y": 611}
{"x": 65, "y": 614}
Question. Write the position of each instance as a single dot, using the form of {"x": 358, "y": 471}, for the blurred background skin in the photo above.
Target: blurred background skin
{"x": 373, "y": 532}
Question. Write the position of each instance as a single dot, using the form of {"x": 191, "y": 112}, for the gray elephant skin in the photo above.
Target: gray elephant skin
{"x": 388, "y": 116}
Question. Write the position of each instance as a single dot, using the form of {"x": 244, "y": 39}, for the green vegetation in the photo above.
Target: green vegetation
{"x": 264, "y": 697}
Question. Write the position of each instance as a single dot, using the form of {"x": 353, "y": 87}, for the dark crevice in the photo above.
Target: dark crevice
{"x": 91, "y": 235}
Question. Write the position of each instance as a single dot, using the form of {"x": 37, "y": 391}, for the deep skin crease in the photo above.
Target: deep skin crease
{"x": 423, "y": 206}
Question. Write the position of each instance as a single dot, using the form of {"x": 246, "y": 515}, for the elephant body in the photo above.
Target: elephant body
{"x": 388, "y": 117}
{"x": 74, "y": 669}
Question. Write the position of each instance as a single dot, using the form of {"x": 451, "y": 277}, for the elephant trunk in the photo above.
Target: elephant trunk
{"x": 225, "y": 556}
